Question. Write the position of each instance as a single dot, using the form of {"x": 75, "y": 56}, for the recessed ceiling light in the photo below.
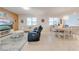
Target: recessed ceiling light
{"x": 26, "y": 8}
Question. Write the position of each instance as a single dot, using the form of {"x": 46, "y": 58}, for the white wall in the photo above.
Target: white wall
{"x": 22, "y": 26}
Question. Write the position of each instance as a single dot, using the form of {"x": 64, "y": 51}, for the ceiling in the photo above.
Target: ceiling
{"x": 44, "y": 11}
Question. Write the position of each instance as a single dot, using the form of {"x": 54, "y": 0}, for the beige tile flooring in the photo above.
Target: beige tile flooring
{"x": 48, "y": 42}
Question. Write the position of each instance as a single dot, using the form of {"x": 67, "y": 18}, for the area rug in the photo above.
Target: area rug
{"x": 12, "y": 44}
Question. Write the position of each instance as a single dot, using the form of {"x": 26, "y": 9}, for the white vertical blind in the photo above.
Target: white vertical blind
{"x": 53, "y": 21}
{"x": 50, "y": 21}
{"x": 31, "y": 21}
{"x": 34, "y": 21}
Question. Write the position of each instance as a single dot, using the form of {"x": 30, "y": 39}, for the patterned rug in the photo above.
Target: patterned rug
{"x": 12, "y": 43}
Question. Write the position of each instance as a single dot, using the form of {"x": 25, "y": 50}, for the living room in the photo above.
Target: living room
{"x": 39, "y": 28}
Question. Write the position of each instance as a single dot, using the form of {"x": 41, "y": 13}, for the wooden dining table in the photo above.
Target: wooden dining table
{"x": 64, "y": 31}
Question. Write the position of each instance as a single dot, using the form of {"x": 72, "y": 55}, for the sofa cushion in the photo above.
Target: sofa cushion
{"x": 4, "y": 27}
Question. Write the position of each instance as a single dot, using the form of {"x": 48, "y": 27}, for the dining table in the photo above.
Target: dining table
{"x": 63, "y": 32}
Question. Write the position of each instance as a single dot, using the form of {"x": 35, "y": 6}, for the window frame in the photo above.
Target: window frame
{"x": 32, "y": 21}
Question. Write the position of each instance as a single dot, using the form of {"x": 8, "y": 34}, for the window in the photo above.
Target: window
{"x": 31, "y": 21}
{"x": 56, "y": 21}
{"x": 34, "y": 21}
{"x": 53, "y": 21}
{"x": 50, "y": 21}
{"x": 72, "y": 21}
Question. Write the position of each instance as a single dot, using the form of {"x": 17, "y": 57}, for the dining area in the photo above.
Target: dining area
{"x": 67, "y": 32}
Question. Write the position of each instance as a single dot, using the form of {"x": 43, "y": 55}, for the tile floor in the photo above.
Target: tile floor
{"x": 48, "y": 42}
